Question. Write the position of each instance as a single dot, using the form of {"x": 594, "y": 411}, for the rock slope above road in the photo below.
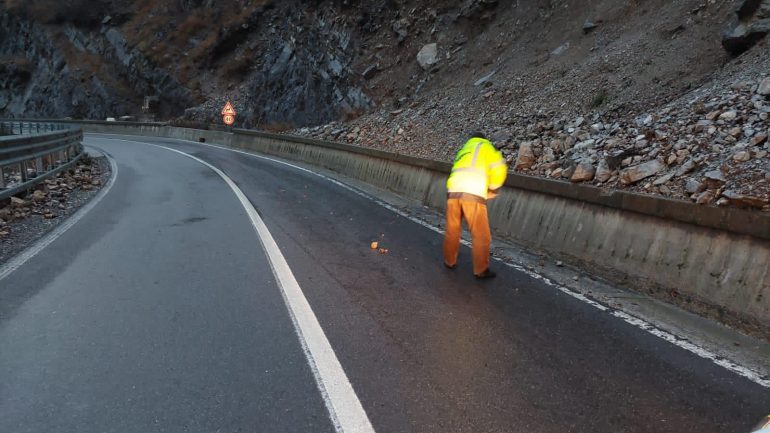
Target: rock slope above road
{"x": 706, "y": 142}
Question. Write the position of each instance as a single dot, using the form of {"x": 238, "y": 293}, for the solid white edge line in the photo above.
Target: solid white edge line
{"x": 31, "y": 251}
{"x": 345, "y": 410}
{"x": 637, "y": 322}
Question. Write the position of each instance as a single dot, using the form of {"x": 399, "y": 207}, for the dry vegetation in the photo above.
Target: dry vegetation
{"x": 237, "y": 68}
{"x": 168, "y": 34}
{"x": 16, "y": 63}
{"x": 91, "y": 65}
{"x": 81, "y": 12}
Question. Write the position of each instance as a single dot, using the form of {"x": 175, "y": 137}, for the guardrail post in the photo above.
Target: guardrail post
{"x": 39, "y": 168}
{"x": 2, "y": 178}
{"x": 23, "y": 171}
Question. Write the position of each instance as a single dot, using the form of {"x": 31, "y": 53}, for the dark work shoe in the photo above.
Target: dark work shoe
{"x": 450, "y": 266}
{"x": 486, "y": 274}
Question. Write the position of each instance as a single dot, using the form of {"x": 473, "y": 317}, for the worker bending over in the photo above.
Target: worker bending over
{"x": 478, "y": 173}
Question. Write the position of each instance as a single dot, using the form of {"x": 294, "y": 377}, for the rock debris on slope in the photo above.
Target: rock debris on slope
{"x": 708, "y": 145}
{"x": 716, "y": 136}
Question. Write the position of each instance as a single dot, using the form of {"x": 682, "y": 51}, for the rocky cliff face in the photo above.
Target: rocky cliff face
{"x": 750, "y": 25}
{"x": 282, "y": 63}
{"x": 63, "y": 70}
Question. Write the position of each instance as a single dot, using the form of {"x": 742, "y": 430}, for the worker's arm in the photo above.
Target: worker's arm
{"x": 497, "y": 171}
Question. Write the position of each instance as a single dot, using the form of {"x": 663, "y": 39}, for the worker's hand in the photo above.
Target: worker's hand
{"x": 491, "y": 194}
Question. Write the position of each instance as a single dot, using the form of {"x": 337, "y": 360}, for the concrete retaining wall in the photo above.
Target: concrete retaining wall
{"x": 712, "y": 260}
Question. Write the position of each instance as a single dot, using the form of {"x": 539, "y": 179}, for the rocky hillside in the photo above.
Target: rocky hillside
{"x": 659, "y": 96}
{"x": 282, "y": 63}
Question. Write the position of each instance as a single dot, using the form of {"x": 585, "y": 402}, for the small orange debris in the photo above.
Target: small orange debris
{"x": 383, "y": 251}
{"x": 375, "y": 244}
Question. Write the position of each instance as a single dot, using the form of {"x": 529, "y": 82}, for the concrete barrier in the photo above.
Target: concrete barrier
{"x": 708, "y": 259}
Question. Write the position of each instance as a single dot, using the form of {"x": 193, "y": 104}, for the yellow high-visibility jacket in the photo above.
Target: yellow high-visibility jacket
{"x": 478, "y": 168}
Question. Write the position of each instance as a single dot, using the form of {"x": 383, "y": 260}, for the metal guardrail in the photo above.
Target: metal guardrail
{"x": 31, "y": 152}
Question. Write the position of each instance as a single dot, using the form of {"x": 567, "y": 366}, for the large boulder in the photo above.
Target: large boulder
{"x": 692, "y": 186}
{"x": 400, "y": 28}
{"x": 477, "y": 8}
{"x": 603, "y": 172}
{"x": 750, "y": 25}
{"x": 526, "y": 158}
{"x": 764, "y": 87}
{"x": 642, "y": 171}
{"x": 745, "y": 201}
{"x": 38, "y": 196}
{"x": 428, "y": 56}
{"x": 584, "y": 172}
{"x": 18, "y": 203}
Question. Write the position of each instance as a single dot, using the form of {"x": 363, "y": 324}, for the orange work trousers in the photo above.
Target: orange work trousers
{"x": 475, "y": 215}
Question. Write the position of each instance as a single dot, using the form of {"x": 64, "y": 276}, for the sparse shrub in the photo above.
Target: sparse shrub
{"x": 16, "y": 67}
{"x": 196, "y": 22}
{"x": 237, "y": 68}
{"x": 351, "y": 114}
{"x": 600, "y": 99}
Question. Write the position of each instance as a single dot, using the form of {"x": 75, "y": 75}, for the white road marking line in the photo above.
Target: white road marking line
{"x": 637, "y": 322}
{"x": 345, "y": 410}
{"x": 21, "y": 258}
{"x": 683, "y": 343}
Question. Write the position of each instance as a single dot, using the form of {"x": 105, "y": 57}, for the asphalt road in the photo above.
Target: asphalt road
{"x": 159, "y": 312}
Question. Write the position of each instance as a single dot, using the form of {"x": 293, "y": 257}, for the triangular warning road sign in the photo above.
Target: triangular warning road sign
{"x": 228, "y": 110}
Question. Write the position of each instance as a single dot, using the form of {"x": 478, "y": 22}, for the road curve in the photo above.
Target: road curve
{"x": 159, "y": 312}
